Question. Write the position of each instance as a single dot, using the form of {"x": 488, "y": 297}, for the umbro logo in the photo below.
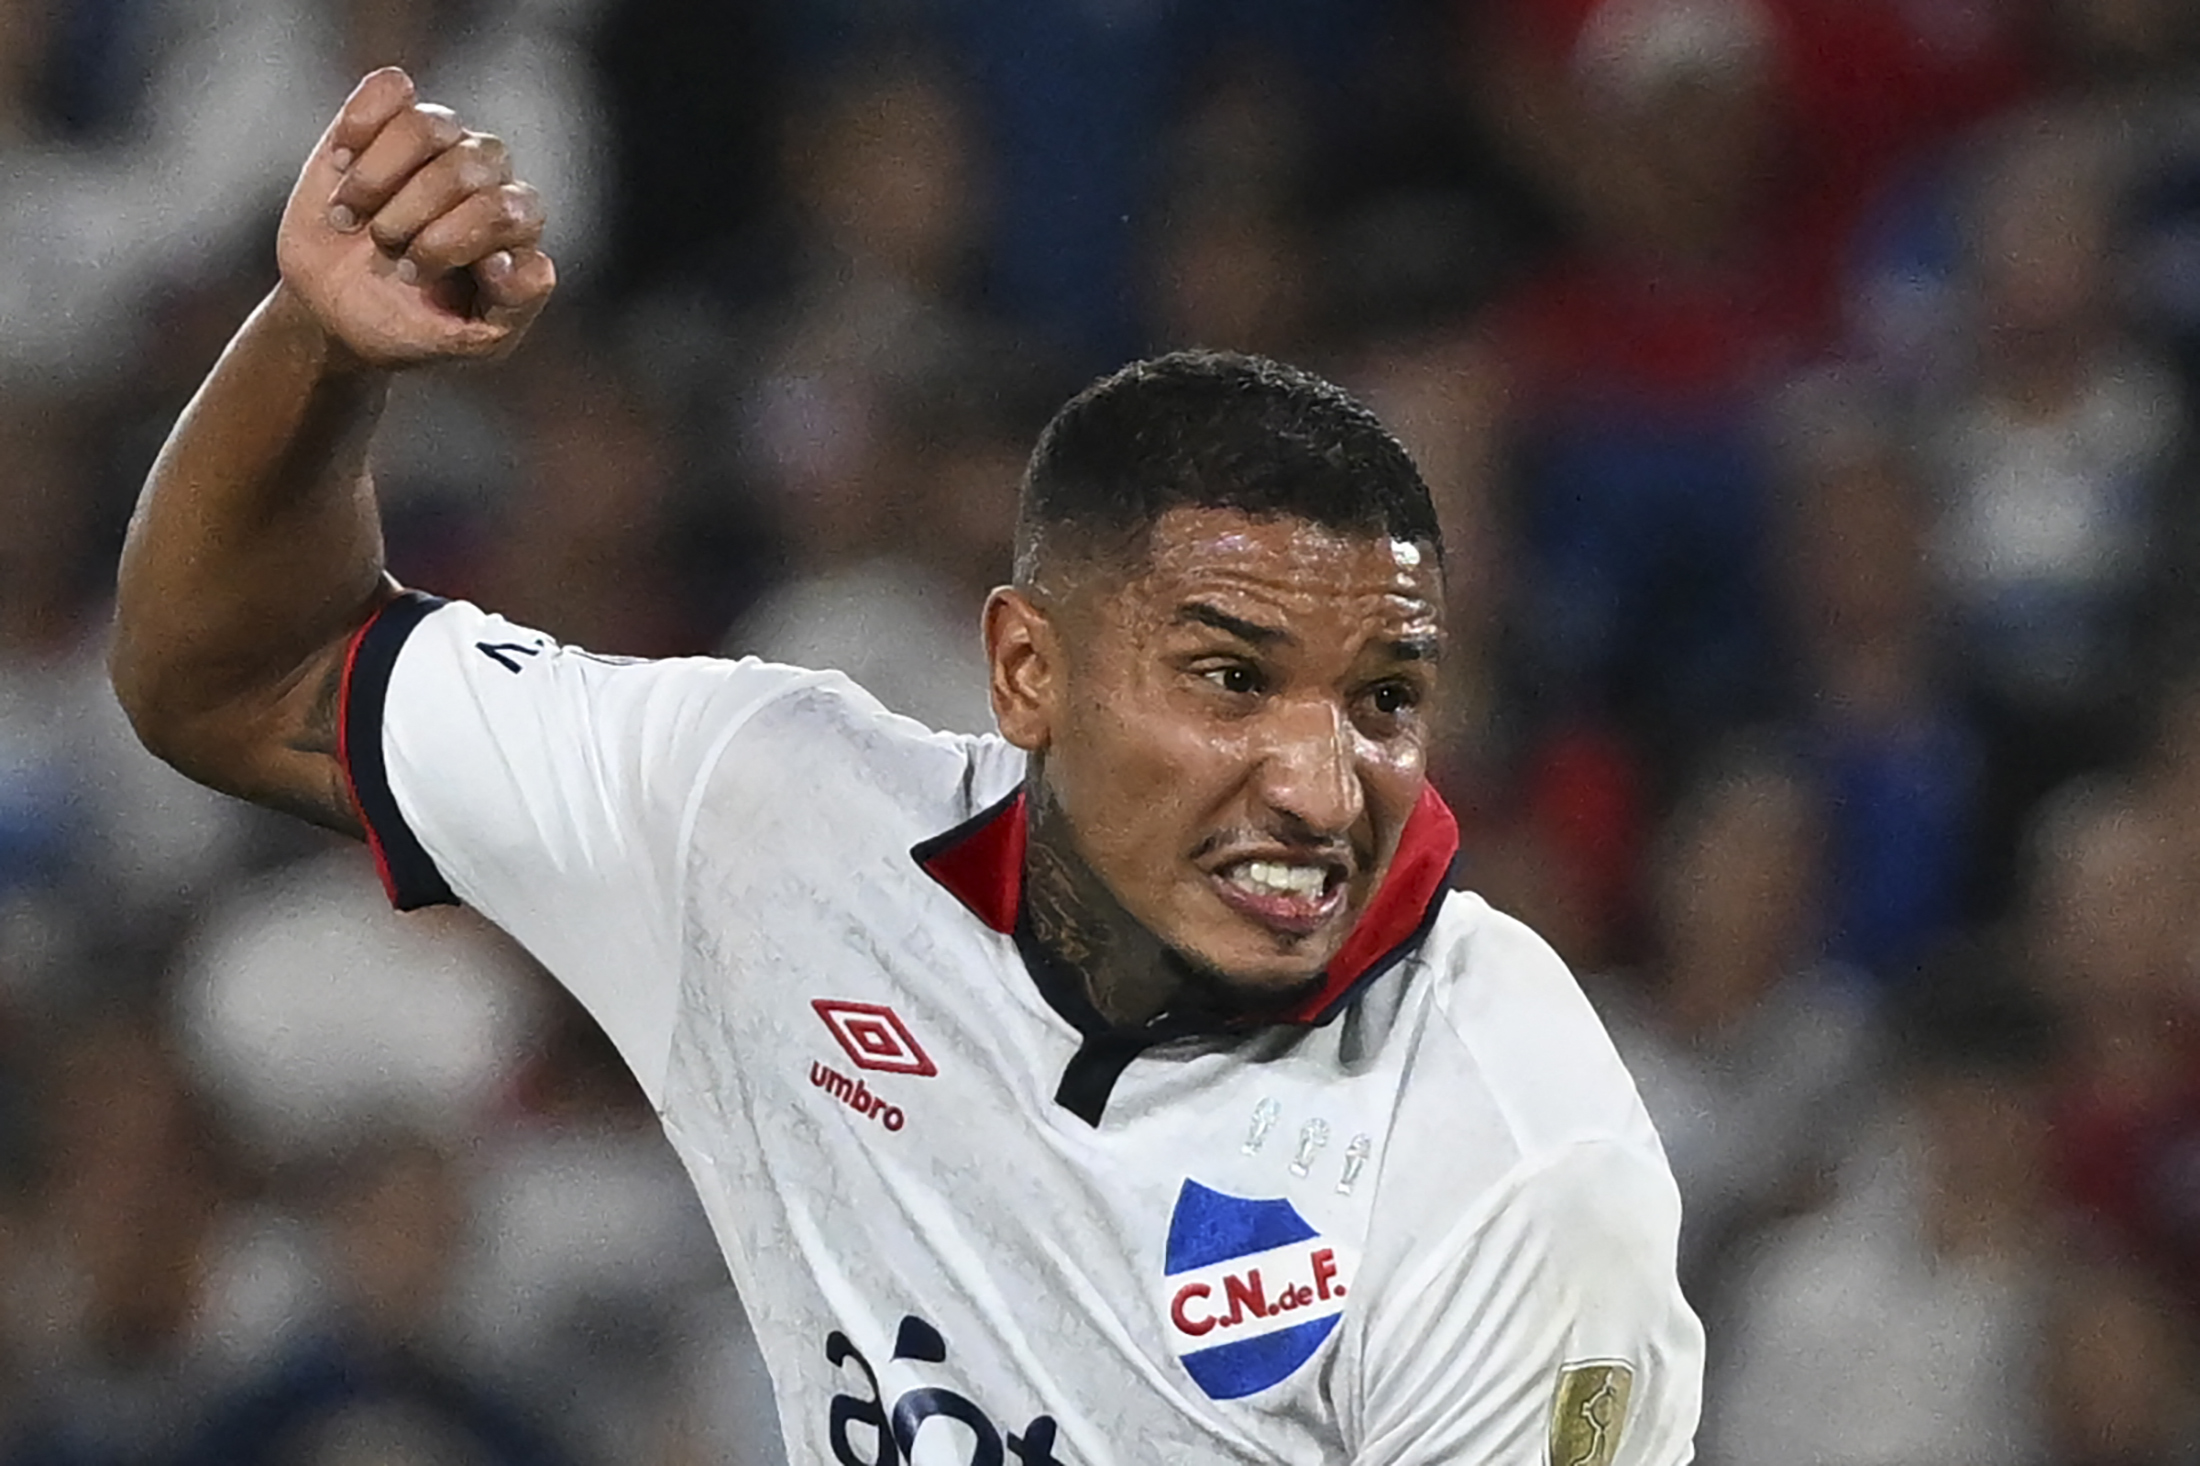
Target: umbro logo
{"x": 875, "y": 1038}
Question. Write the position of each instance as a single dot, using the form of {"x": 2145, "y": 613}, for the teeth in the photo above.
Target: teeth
{"x": 1273, "y": 877}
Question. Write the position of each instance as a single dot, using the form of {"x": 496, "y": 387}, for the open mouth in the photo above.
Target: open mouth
{"x": 1294, "y": 898}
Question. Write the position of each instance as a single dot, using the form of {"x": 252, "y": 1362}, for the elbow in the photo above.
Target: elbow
{"x": 138, "y": 690}
{"x": 161, "y": 723}
{"x": 169, "y": 711}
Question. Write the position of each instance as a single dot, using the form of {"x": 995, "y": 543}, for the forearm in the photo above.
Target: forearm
{"x": 256, "y": 545}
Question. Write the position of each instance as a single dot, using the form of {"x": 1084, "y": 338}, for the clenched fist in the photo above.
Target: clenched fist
{"x": 407, "y": 237}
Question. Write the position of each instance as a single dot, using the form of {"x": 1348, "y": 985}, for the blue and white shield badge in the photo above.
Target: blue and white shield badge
{"x": 1251, "y": 1290}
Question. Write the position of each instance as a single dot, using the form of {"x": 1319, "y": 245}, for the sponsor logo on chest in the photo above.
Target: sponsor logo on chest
{"x": 1250, "y": 1290}
{"x": 874, "y": 1038}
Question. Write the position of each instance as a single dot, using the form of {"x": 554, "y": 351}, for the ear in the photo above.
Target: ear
{"x": 1023, "y": 657}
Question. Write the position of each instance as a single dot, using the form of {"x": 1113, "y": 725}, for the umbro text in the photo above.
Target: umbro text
{"x": 857, "y": 1096}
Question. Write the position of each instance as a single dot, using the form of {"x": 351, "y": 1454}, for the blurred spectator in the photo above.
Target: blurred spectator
{"x": 2047, "y": 463}
{"x": 1889, "y": 746}
{"x": 590, "y": 1259}
{"x": 1073, "y": 97}
{"x": 1639, "y": 356}
{"x": 1866, "y": 88}
{"x": 857, "y": 411}
{"x": 1880, "y": 84}
{"x": 373, "y": 1380}
{"x": 582, "y": 546}
{"x": 88, "y": 820}
{"x": 1076, "y": 100}
{"x": 1751, "y": 1052}
{"x": 2119, "y": 1370}
{"x": 903, "y": 618}
{"x": 2051, "y": 429}
{"x": 465, "y": 1299}
{"x": 2113, "y": 924}
{"x": 42, "y": 624}
{"x": 115, "y": 1313}
{"x": 1902, "y": 1322}
{"x": 1561, "y": 845}
{"x": 312, "y": 1009}
{"x": 884, "y": 170}
{"x": 1232, "y": 266}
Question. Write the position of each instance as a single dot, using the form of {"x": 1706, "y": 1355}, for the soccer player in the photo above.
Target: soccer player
{"x": 1130, "y": 1087}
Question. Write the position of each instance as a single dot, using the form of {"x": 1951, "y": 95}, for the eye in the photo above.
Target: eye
{"x": 1235, "y": 678}
{"x": 1392, "y": 698}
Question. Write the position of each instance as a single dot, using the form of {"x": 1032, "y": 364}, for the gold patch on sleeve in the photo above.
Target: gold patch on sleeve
{"x": 1589, "y": 1411}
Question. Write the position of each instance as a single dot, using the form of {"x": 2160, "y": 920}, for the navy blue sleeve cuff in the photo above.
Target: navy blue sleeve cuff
{"x": 408, "y": 872}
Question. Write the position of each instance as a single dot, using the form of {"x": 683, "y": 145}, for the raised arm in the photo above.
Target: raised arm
{"x": 256, "y": 549}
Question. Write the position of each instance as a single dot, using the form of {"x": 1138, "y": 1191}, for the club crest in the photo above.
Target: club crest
{"x": 1250, "y": 1290}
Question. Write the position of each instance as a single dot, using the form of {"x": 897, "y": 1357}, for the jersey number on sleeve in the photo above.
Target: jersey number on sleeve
{"x": 502, "y": 652}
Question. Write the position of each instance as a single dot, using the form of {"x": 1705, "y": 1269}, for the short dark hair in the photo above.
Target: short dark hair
{"x": 1213, "y": 430}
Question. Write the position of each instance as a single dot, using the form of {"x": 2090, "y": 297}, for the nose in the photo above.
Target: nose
{"x": 1309, "y": 771}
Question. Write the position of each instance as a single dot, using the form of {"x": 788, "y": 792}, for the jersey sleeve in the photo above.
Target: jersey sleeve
{"x": 1546, "y": 1330}
{"x": 548, "y": 788}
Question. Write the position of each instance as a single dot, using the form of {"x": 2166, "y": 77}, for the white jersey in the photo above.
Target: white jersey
{"x": 1424, "y": 1221}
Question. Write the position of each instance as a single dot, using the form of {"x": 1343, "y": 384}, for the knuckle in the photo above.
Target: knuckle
{"x": 437, "y": 249}
{"x": 474, "y": 173}
{"x": 437, "y": 124}
{"x": 515, "y": 205}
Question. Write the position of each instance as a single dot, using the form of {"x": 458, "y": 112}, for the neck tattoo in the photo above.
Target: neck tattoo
{"x": 1130, "y": 976}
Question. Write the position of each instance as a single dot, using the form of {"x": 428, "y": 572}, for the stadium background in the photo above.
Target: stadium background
{"x": 1809, "y": 385}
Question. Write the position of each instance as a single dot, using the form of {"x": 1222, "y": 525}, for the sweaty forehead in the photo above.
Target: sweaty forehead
{"x": 1291, "y": 563}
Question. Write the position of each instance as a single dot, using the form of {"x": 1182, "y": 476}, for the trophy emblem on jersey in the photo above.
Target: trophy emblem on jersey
{"x": 1589, "y": 1411}
{"x": 1250, "y": 1290}
{"x": 1264, "y": 1120}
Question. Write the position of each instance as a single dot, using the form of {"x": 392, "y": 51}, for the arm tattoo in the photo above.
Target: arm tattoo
{"x": 322, "y": 732}
{"x": 322, "y": 796}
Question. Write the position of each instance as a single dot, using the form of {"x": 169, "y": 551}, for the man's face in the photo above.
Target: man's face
{"x": 1236, "y": 734}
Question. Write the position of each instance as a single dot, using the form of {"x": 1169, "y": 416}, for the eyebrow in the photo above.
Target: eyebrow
{"x": 1403, "y": 649}
{"x": 1250, "y": 632}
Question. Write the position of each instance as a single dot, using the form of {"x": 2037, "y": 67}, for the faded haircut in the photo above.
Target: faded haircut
{"x": 1211, "y": 430}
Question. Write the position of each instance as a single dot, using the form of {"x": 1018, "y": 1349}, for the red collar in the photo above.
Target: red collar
{"x": 981, "y": 862}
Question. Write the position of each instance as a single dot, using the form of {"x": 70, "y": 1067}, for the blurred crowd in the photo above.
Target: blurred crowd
{"x": 1811, "y": 389}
